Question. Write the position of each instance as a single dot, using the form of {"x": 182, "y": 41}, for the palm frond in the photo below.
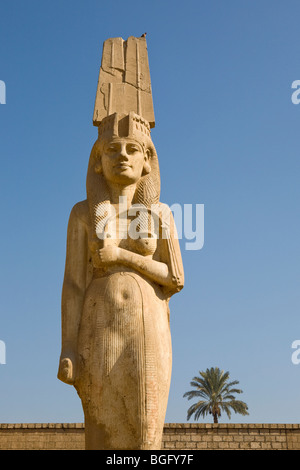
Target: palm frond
{"x": 217, "y": 392}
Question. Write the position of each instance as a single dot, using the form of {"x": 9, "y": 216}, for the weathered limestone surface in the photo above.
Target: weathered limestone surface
{"x": 124, "y": 80}
{"x": 123, "y": 264}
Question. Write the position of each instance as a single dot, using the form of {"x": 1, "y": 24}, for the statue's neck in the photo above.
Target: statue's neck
{"x": 126, "y": 193}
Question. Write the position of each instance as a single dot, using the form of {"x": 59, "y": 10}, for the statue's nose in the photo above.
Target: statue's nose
{"x": 123, "y": 152}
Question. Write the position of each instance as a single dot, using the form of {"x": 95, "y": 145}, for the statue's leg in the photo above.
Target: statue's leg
{"x": 94, "y": 435}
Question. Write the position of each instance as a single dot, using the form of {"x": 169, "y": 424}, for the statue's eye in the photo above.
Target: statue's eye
{"x": 132, "y": 148}
{"x": 111, "y": 149}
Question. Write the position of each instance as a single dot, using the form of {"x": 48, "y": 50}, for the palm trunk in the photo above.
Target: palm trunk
{"x": 215, "y": 418}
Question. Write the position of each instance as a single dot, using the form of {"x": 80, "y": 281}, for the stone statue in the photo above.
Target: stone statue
{"x": 123, "y": 264}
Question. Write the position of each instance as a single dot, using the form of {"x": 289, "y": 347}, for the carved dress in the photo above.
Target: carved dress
{"x": 124, "y": 354}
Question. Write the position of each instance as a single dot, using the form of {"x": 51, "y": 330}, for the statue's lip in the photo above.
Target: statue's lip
{"x": 123, "y": 165}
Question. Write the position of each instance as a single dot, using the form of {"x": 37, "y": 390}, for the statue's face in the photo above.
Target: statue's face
{"x": 122, "y": 161}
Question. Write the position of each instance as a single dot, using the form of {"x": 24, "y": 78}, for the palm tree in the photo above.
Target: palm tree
{"x": 217, "y": 394}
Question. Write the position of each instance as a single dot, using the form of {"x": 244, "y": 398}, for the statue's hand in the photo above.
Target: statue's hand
{"x": 66, "y": 371}
{"x": 109, "y": 254}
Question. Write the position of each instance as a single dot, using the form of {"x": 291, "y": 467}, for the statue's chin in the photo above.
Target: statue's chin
{"x": 123, "y": 177}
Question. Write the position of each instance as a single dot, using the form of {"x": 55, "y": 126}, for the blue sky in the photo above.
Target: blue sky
{"x": 227, "y": 136}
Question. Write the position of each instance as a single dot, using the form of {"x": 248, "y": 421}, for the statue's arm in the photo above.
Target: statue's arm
{"x": 73, "y": 293}
{"x": 157, "y": 271}
{"x": 167, "y": 271}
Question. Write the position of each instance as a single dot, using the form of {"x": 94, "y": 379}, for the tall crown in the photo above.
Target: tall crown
{"x": 124, "y": 89}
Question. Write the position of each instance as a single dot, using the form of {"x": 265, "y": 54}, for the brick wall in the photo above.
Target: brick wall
{"x": 70, "y": 436}
{"x": 231, "y": 436}
{"x": 36, "y": 436}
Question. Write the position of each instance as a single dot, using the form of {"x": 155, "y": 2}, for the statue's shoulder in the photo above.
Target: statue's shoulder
{"x": 80, "y": 212}
{"x": 163, "y": 207}
{"x": 164, "y": 212}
